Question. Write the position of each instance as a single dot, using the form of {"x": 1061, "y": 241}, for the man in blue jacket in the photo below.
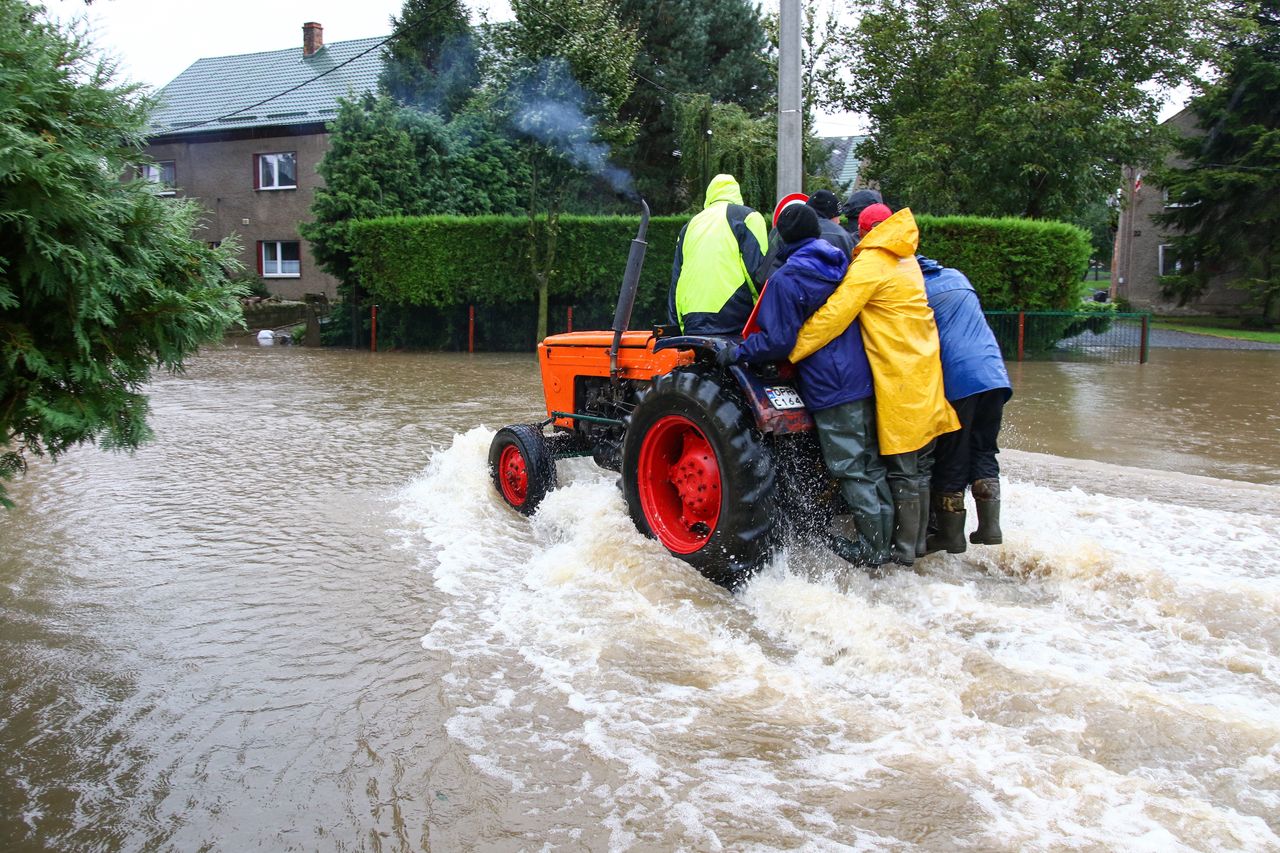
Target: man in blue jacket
{"x": 977, "y": 386}
{"x": 834, "y": 382}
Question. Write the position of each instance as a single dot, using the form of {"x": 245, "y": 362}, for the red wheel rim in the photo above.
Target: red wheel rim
{"x": 513, "y": 475}
{"x": 678, "y": 479}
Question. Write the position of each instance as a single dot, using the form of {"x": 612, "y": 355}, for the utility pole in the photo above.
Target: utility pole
{"x": 790, "y": 129}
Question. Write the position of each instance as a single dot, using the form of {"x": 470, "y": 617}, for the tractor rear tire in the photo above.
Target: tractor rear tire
{"x": 522, "y": 467}
{"x": 698, "y": 478}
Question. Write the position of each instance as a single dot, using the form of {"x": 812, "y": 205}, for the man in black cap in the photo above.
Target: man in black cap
{"x": 858, "y": 201}
{"x": 834, "y": 382}
{"x": 827, "y": 206}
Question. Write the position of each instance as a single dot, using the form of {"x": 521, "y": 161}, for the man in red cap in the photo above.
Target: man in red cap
{"x": 884, "y": 289}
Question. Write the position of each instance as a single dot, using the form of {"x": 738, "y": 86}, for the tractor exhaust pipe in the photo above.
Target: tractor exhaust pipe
{"x": 627, "y": 296}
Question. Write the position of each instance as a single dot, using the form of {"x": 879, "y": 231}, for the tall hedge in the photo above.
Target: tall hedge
{"x": 443, "y": 261}
{"x": 1014, "y": 264}
{"x": 440, "y": 262}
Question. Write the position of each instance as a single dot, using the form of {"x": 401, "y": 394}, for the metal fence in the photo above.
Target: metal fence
{"x": 1023, "y": 335}
{"x": 1072, "y": 336}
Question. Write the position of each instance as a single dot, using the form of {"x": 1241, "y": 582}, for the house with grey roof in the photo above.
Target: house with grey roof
{"x": 244, "y": 135}
{"x": 842, "y": 161}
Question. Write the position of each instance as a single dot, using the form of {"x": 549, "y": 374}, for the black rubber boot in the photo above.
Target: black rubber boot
{"x": 948, "y": 509}
{"x": 906, "y": 525}
{"x": 986, "y": 494}
{"x": 922, "y": 532}
{"x": 857, "y": 552}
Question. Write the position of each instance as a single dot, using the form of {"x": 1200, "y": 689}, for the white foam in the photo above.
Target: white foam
{"x": 1107, "y": 677}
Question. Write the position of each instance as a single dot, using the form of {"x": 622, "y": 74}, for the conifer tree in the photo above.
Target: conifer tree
{"x": 718, "y": 49}
{"x": 432, "y": 63}
{"x": 100, "y": 279}
{"x": 1226, "y": 198}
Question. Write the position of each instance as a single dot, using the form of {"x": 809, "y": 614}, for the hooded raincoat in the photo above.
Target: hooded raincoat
{"x": 884, "y": 289}
{"x": 838, "y": 373}
{"x": 719, "y": 264}
{"x": 971, "y": 359}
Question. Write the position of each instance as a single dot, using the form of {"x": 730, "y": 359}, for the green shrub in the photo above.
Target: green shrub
{"x": 1099, "y": 320}
{"x": 1014, "y": 264}
{"x": 421, "y": 270}
{"x": 443, "y": 261}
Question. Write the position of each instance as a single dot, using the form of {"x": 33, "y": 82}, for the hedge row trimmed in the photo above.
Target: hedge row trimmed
{"x": 1014, "y": 264}
{"x": 444, "y": 261}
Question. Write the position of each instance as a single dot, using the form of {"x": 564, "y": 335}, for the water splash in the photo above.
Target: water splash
{"x": 1105, "y": 681}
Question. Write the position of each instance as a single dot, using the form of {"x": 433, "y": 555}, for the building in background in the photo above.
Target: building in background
{"x": 252, "y": 161}
{"x": 842, "y": 163}
{"x": 1143, "y": 251}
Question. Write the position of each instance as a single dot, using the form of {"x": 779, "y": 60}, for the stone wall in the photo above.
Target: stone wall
{"x": 273, "y": 315}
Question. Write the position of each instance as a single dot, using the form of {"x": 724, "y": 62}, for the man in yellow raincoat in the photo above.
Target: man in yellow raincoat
{"x": 884, "y": 289}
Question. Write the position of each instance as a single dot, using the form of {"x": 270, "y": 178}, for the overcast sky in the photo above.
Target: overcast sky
{"x": 155, "y": 40}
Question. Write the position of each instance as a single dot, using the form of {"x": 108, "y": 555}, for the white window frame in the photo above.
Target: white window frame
{"x": 1177, "y": 265}
{"x": 154, "y": 173}
{"x": 272, "y": 159}
{"x": 1165, "y": 198}
{"x": 280, "y": 262}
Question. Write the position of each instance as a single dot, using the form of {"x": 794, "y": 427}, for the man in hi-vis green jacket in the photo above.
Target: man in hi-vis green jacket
{"x": 719, "y": 265}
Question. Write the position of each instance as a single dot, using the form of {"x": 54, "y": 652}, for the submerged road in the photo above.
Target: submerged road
{"x": 301, "y": 620}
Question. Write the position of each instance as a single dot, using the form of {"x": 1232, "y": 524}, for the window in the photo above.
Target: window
{"x": 279, "y": 259}
{"x": 161, "y": 173}
{"x": 275, "y": 171}
{"x": 1169, "y": 263}
{"x": 1167, "y": 203}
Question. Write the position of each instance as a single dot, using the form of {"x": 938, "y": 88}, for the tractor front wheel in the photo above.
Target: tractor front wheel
{"x": 522, "y": 466}
{"x": 697, "y": 478}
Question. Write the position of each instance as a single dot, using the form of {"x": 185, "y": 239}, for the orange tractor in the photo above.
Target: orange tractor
{"x": 719, "y": 465}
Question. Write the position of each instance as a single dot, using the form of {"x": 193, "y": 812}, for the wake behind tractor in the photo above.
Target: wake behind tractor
{"x": 719, "y": 465}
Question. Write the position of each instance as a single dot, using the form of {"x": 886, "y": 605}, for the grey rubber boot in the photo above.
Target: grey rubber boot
{"x": 948, "y": 509}
{"x": 922, "y": 532}
{"x": 906, "y": 524}
{"x": 874, "y": 531}
{"x": 986, "y": 494}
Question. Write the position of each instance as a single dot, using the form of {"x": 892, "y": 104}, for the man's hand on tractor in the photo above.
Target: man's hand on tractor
{"x": 727, "y": 356}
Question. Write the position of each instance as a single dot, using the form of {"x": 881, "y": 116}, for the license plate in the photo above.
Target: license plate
{"x": 783, "y": 397}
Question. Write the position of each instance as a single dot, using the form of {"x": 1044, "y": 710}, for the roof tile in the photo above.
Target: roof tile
{"x": 221, "y": 85}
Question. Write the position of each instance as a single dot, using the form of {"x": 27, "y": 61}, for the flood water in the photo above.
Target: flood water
{"x": 301, "y": 620}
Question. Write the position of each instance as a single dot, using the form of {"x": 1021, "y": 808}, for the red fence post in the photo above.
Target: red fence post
{"x": 1146, "y": 333}
{"x": 569, "y": 319}
{"x": 373, "y": 331}
{"x": 1022, "y": 332}
{"x": 471, "y": 328}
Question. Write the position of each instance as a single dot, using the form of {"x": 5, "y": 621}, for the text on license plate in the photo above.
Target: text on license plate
{"x": 783, "y": 397}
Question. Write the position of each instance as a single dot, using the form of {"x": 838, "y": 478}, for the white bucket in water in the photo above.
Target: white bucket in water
{"x": 266, "y": 338}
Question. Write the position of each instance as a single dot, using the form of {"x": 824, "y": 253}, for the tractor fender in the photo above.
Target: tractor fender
{"x": 760, "y": 395}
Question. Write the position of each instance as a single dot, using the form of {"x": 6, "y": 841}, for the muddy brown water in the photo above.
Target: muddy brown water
{"x": 300, "y": 620}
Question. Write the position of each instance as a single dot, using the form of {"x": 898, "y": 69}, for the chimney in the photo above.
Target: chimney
{"x": 312, "y": 38}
